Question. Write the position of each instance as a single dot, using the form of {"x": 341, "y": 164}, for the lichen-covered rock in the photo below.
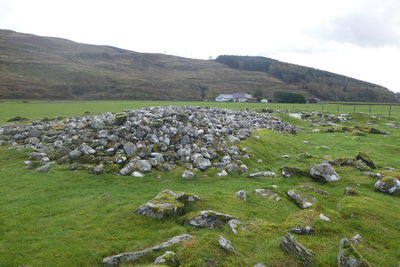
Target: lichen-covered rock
{"x": 98, "y": 169}
{"x": 226, "y": 244}
{"x": 209, "y": 219}
{"x": 361, "y": 166}
{"x": 167, "y": 203}
{"x": 241, "y": 194}
{"x": 296, "y": 249}
{"x": 233, "y": 225}
{"x": 324, "y": 172}
{"x": 348, "y": 256}
{"x": 202, "y": 163}
{"x": 130, "y": 148}
{"x": 188, "y": 175}
{"x": 169, "y": 258}
{"x": 44, "y": 168}
{"x": 387, "y": 185}
{"x": 307, "y": 230}
{"x": 302, "y": 200}
{"x": 289, "y": 172}
{"x": 268, "y": 193}
{"x": 366, "y": 159}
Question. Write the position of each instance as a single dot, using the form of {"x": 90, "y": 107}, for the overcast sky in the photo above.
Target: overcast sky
{"x": 357, "y": 38}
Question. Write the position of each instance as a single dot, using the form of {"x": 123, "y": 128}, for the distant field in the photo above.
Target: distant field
{"x": 40, "y": 109}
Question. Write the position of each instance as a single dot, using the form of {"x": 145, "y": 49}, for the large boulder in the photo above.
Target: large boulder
{"x": 324, "y": 172}
{"x": 296, "y": 249}
{"x": 209, "y": 219}
{"x": 387, "y": 185}
{"x": 302, "y": 200}
{"x": 167, "y": 203}
{"x": 348, "y": 256}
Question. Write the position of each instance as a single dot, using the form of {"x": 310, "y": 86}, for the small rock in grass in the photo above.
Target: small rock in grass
{"x": 222, "y": 173}
{"x": 137, "y": 174}
{"x": 387, "y": 185}
{"x": 268, "y": 193}
{"x": 324, "y": 218}
{"x": 209, "y": 219}
{"x": 348, "y": 256}
{"x": 324, "y": 172}
{"x": 45, "y": 168}
{"x": 296, "y": 249}
{"x": 265, "y": 174}
{"x": 233, "y": 224}
{"x": 242, "y": 194}
{"x": 106, "y": 195}
{"x": 243, "y": 168}
{"x": 303, "y": 201}
{"x": 169, "y": 258}
{"x": 308, "y": 230}
{"x": 285, "y": 156}
{"x": 366, "y": 159}
{"x": 350, "y": 191}
{"x": 290, "y": 172}
{"x": 188, "y": 175}
{"x": 356, "y": 239}
{"x": 259, "y": 161}
{"x": 226, "y": 244}
{"x": 260, "y": 264}
{"x": 28, "y": 164}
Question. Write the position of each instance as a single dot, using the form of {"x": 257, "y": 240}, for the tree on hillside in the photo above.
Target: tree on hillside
{"x": 258, "y": 94}
{"x": 288, "y": 97}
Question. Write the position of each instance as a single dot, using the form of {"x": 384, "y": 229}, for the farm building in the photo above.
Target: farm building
{"x": 236, "y": 97}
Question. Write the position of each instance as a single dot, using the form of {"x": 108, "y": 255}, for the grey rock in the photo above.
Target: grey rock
{"x": 137, "y": 174}
{"x": 324, "y": 172}
{"x": 307, "y": 230}
{"x": 202, "y": 163}
{"x": 260, "y": 264}
{"x": 268, "y": 193}
{"x": 141, "y": 165}
{"x": 294, "y": 248}
{"x": 263, "y": 174}
{"x": 131, "y": 256}
{"x": 209, "y": 219}
{"x": 130, "y": 149}
{"x": 243, "y": 168}
{"x": 44, "y": 169}
{"x": 356, "y": 239}
{"x": 233, "y": 139}
{"x": 226, "y": 244}
{"x": 127, "y": 170}
{"x": 98, "y": 169}
{"x": 188, "y": 175}
{"x": 241, "y": 194}
{"x": 28, "y": 164}
{"x": 233, "y": 225}
{"x": 324, "y": 217}
{"x": 302, "y": 200}
{"x": 222, "y": 173}
{"x": 348, "y": 256}
{"x": 387, "y": 185}
{"x": 350, "y": 191}
{"x": 232, "y": 167}
{"x": 169, "y": 258}
{"x": 289, "y": 172}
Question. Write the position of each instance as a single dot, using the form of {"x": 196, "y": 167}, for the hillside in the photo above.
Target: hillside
{"x": 34, "y": 67}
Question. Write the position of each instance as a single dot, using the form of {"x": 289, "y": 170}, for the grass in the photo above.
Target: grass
{"x": 34, "y": 110}
{"x": 63, "y": 219}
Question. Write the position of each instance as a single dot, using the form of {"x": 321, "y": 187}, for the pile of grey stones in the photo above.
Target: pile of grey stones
{"x": 135, "y": 141}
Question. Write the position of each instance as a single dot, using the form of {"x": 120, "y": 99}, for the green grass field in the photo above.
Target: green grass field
{"x": 39, "y": 109}
{"x": 62, "y": 219}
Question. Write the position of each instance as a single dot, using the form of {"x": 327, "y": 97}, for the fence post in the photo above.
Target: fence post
{"x": 307, "y": 107}
{"x": 338, "y": 108}
{"x": 354, "y": 108}
{"x": 322, "y": 107}
{"x": 369, "y": 109}
{"x": 390, "y": 110}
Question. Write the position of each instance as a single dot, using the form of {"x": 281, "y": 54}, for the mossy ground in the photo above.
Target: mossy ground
{"x": 63, "y": 218}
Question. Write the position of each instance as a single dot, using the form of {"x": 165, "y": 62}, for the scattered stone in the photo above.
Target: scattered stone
{"x": 387, "y": 185}
{"x": 308, "y": 230}
{"x": 242, "y": 194}
{"x": 226, "y": 244}
{"x": 366, "y": 159}
{"x": 350, "y": 191}
{"x": 290, "y": 172}
{"x": 323, "y": 147}
{"x": 301, "y": 200}
{"x": 285, "y": 156}
{"x": 98, "y": 169}
{"x": 233, "y": 224}
{"x": 106, "y": 195}
{"x": 296, "y": 249}
{"x": 356, "y": 239}
{"x": 324, "y": 218}
{"x": 130, "y": 149}
{"x": 131, "y": 256}
{"x": 348, "y": 256}
{"x": 324, "y": 172}
{"x": 307, "y": 142}
{"x": 392, "y": 125}
{"x": 376, "y": 175}
{"x": 263, "y": 174}
{"x": 222, "y": 173}
{"x": 316, "y": 130}
{"x": 259, "y": 161}
{"x": 169, "y": 258}
{"x": 209, "y": 219}
{"x": 17, "y": 118}
{"x": 243, "y": 168}
{"x": 268, "y": 193}
{"x": 232, "y": 167}
{"x": 137, "y": 174}
{"x": 260, "y": 264}
{"x": 390, "y": 169}
{"x": 188, "y": 175}
{"x": 44, "y": 169}
{"x": 167, "y": 203}
{"x": 361, "y": 166}
{"x": 29, "y": 164}
{"x": 304, "y": 155}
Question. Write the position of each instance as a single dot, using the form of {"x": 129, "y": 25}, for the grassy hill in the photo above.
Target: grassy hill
{"x": 34, "y": 67}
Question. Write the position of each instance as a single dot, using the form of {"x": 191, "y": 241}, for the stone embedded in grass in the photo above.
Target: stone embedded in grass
{"x": 376, "y": 175}
{"x": 361, "y": 166}
{"x": 263, "y": 174}
{"x": 356, "y": 239}
{"x": 324, "y": 217}
{"x": 167, "y": 203}
{"x": 226, "y": 244}
{"x": 366, "y": 159}
{"x": 304, "y": 155}
{"x": 324, "y": 172}
{"x": 290, "y": 172}
{"x": 233, "y": 224}
{"x": 209, "y": 219}
{"x": 169, "y": 258}
{"x": 241, "y": 194}
{"x": 296, "y": 249}
{"x": 302, "y": 200}
{"x": 222, "y": 173}
{"x": 307, "y": 230}
{"x": 45, "y": 168}
{"x": 137, "y": 174}
{"x": 188, "y": 175}
{"x": 132, "y": 256}
{"x": 350, "y": 191}
{"x": 268, "y": 193}
{"x": 387, "y": 185}
{"x": 260, "y": 264}
{"x": 348, "y": 256}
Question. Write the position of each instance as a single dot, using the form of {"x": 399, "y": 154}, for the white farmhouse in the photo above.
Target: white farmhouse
{"x": 236, "y": 97}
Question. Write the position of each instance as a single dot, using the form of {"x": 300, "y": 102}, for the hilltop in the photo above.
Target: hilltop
{"x": 35, "y": 67}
